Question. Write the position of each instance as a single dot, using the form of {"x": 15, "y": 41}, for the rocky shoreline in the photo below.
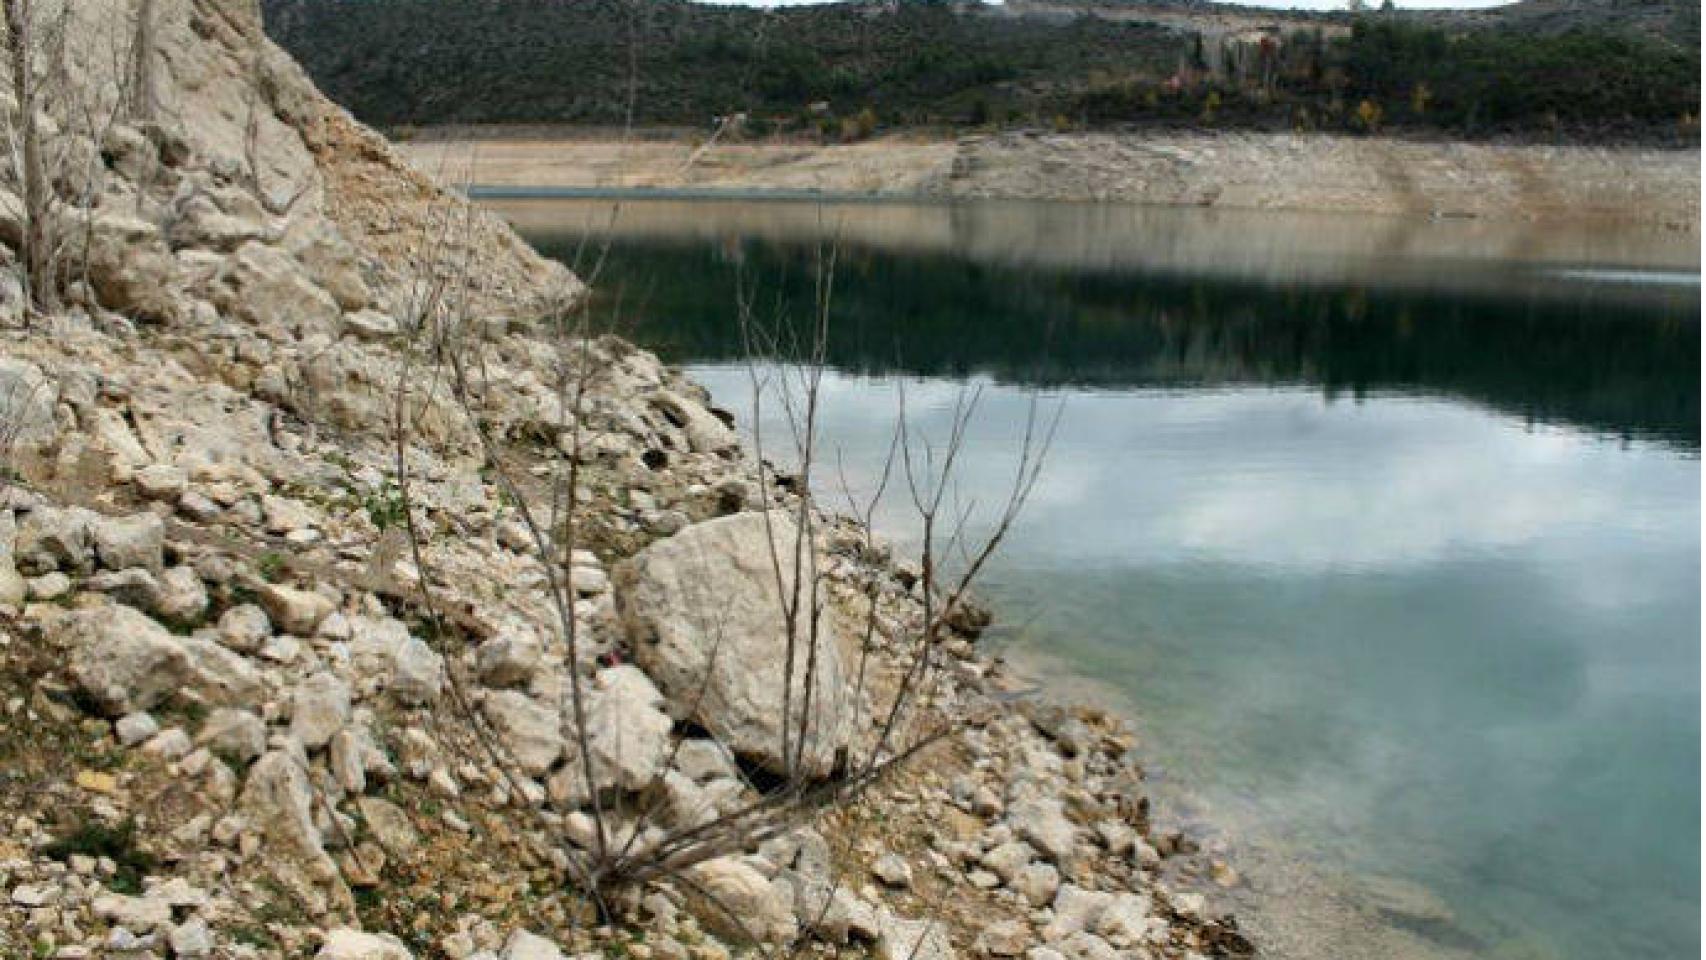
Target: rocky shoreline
{"x": 1654, "y": 187}
{"x": 280, "y": 673}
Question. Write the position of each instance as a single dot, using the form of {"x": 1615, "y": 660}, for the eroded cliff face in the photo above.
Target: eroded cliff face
{"x": 282, "y": 672}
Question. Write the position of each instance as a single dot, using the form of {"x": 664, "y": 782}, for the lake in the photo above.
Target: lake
{"x": 1385, "y": 533}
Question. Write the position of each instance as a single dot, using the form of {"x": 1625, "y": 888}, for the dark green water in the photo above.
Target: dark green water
{"x": 1392, "y": 550}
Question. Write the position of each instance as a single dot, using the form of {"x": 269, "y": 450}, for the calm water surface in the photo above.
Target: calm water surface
{"x": 1386, "y": 533}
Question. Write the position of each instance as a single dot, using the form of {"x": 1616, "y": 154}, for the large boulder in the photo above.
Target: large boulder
{"x": 704, "y": 610}
{"x": 123, "y": 661}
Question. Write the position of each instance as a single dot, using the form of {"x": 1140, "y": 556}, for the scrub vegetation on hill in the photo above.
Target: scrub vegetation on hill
{"x": 842, "y": 71}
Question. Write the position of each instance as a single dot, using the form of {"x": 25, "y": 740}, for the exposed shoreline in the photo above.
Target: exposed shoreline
{"x": 1305, "y": 172}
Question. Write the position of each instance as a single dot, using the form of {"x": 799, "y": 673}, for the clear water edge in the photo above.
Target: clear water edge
{"x": 1425, "y": 664}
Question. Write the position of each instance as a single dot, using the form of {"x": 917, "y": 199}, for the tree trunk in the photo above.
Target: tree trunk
{"x": 37, "y": 253}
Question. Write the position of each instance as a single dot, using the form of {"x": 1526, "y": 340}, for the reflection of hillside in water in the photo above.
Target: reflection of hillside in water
{"x": 1618, "y": 359}
{"x": 1303, "y": 247}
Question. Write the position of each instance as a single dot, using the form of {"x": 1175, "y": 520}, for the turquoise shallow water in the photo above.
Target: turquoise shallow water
{"x": 1394, "y": 558}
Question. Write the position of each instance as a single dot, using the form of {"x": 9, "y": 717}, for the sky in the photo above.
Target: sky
{"x": 1280, "y": 4}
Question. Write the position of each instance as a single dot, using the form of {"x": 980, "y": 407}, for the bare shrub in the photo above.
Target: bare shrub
{"x": 447, "y": 361}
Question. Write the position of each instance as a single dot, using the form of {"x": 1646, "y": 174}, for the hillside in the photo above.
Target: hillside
{"x": 359, "y": 600}
{"x": 1591, "y": 70}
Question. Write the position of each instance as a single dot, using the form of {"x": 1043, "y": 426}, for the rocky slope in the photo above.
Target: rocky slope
{"x": 244, "y": 714}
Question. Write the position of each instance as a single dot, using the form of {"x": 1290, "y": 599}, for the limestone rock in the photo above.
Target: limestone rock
{"x": 124, "y": 661}
{"x": 234, "y": 733}
{"x": 523, "y": 945}
{"x": 901, "y": 939}
{"x": 371, "y": 325}
{"x": 161, "y": 481}
{"x": 1003, "y": 938}
{"x": 182, "y": 598}
{"x": 50, "y": 538}
{"x": 27, "y": 399}
{"x": 706, "y": 599}
{"x": 508, "y": 660}
{"x": 530, "y": 730}
{"x": 627, "y": 732}
{"x": 219, "y": 675}
{"x": 244, "y": 628}
{"x": 122, "y": 543}
{"x": 1043, "y": 822}
{"x": 268, "y": 287}
{"x": 1125, "y": 920}
{"x": 295, "y": 611}
{"x": 706, "y": 433}
{"x": 1075, "y": 910}
{"x": 893, "y": 870}
{"x": 346, "y": 944}
{"x": 390, "y": 825}
{"x": 319, "y": 708}
{"x": 278, "y": 802}
{"x": 745, "y": 893}
{"x": 384, "y": 654}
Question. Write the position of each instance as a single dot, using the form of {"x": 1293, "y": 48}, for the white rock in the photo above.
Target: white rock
{"x": 1075, "y": 909}
{"x": 346, "y": 944}
{"x": 48, "y": 586}
{"x": 122, "y": 543}
{"x": 1006, "y": 860}
{"x": 417, "y": 676}
{"x": 1125, "y": 920}
{"x": 1037, "y": 883}
{"x": 530, "y": 730}
{"x": 901, "y": 939}
{"x": 893, "y": 870}
{"x": 523, "y": 945}
{"x": 123, "y": 660}
{"x": 133, "y": 728}
{"x": 319, "y": 708}
{"x": 706, "y": 599}
{"x": 1043, "y": 822}
{"x": 51, "y": 538}
{"x": 234, "y": 733}
{"x": 278, "y": 802}
{"x": 191, "y": 938}
{"x": 133, "y": 913}
{"x": 169, "y": 744}
{"x": 295, "y": 611}
{"x": 244, "y": 628}
{"x": 182, "y": 597}
{"x": 747, "y": 894}
{"x": 508, "y": 660}
{"x": 161, "y": 481}
{"x": 371, "y": 325}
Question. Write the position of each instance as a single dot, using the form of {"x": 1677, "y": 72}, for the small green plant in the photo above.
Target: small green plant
{"x": 270, "y": 566}
{"x": 92, "y": 838}
{"x": 385, "y": 507}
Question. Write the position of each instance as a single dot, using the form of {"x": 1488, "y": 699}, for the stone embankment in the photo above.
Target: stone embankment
{"x": 278, "y": 682}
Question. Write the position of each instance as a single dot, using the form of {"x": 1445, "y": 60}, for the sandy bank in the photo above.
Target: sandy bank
{"x": 1244, "y": 170}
